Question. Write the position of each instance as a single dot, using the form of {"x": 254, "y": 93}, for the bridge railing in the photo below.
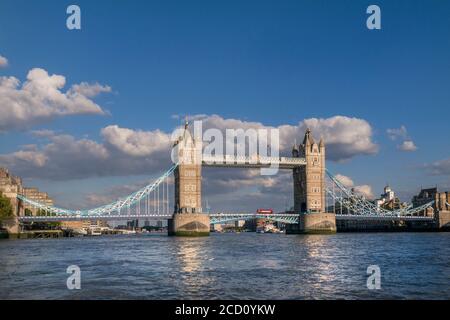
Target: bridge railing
{"x": 287, "y": 218}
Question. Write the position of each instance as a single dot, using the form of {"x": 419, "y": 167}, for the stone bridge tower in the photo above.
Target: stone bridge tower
{"x": 188, "y": 175}
{"x": 309, "y": 189}
{"x": 309, "y": 180}
{"x": 188, "y": 219}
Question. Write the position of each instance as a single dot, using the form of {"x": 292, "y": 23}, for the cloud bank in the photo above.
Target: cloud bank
{"x": 125, "y": 151}
{"x": 364, "y": 190}
{"x": 40, "y": 98}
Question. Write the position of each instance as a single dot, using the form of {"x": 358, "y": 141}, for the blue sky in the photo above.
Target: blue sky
{"x": 273, "y": 62}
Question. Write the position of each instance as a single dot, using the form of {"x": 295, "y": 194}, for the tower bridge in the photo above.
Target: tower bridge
{"x": 308, "y": 166}
{"x": 313, "y": 188}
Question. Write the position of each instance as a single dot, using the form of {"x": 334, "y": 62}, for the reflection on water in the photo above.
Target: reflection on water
{"x": 189, "y": 255}
{"x": 229, "y": 266}
{"x": 319, "y": 250}
{"x": 192, "y": 256}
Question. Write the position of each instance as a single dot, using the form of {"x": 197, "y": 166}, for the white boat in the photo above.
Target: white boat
{"x": 127, "y": 231}
{"x": 95, "y": 231}
{"x": 80, "y": 232}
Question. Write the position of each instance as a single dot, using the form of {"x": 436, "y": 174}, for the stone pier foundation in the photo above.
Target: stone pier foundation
{"x": 443, "y": 220}
{"x": 189, "y": 225}
{"x": 314, "y": 223}
{"x": 318, "y": 223}
{"x": 12, "y": 226}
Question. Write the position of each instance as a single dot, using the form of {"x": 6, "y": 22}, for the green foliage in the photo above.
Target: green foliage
{"x": 6, "y": 209}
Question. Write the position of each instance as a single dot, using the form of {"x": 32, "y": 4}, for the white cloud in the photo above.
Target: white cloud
{"x": 402, "y": 134}
{"x": 344, "y": 137}
{"x": 35, "y": 158}
{"x": 346, "y": 181}
{"x": 364, "y": 190}
{"x": 63, "y": 157}
{"x": 397, "y": 133}
{"x": 136, "y": 142}
{"x": 3, "y": 62}
{"x": 40, "y": 99}
{"x": 408, "y": 145}
{"x": 89, "y": 90}
{"x": 439, "y": 168}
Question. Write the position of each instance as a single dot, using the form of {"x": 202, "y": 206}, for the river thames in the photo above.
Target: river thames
{"x": 229, "y": 266}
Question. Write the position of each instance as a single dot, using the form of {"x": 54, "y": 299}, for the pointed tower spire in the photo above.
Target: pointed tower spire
{"x": 308, "y": 140}
{"x": 321, "y": 143}
{"x": 295, "y": 150}
{"x": 187, "y": 136}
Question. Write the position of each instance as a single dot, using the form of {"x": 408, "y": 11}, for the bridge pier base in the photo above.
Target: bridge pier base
{"x": 12, "y": 226}
{"x": 314, "y": 223}
{"x": 443, "y": 220}
{"x": 189, "y": 225}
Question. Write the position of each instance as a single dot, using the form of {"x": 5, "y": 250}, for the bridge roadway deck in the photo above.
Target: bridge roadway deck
{"x": 216, "y": 216}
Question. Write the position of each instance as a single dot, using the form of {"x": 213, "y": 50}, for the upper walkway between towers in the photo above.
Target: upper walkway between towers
{"x": 252, "y": 161}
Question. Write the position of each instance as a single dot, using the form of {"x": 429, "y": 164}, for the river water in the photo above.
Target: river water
{"x": 229, "y": 266}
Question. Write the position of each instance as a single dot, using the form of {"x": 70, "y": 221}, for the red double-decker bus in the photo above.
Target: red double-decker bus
{"x": 264, "y": 211}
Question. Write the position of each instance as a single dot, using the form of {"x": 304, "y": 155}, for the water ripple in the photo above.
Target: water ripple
{"x": 229, "y": 266}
